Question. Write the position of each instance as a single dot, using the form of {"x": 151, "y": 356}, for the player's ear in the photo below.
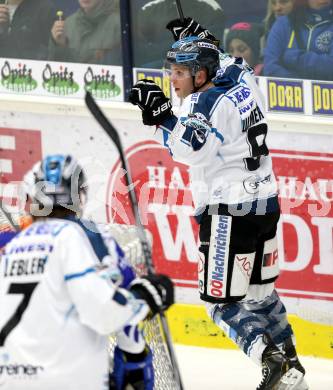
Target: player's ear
{"x": 201, "y": 77}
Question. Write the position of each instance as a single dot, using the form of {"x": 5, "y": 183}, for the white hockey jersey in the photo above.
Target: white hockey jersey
{"x": 220, "y": 133}
{"x": 57, "y": 308}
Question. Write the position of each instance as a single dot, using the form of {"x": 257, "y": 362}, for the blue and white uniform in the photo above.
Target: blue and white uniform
{"x": 220, "y": 133}
{"x": 58, "y": 306}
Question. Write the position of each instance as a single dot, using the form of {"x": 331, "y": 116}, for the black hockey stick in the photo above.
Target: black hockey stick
{"x": 113, "y": 134}
{"x": 180, "y": 10}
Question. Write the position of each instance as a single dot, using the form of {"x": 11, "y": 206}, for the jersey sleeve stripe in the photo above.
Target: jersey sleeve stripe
{"x": 79, "y": 274}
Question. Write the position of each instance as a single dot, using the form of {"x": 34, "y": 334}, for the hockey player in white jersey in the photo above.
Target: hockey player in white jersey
{"x": 220, "y": 133}
{"x": 64, "y": 288}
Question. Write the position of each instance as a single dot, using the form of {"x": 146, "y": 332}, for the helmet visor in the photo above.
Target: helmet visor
{"x": 176, "y": 71}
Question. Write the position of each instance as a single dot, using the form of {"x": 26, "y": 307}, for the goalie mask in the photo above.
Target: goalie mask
{"x": 195, "y": 53}
{"x": 56, "y": 181}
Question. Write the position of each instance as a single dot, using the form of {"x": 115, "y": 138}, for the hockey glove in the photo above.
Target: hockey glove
{"x": 188, "y": 28}
{"x": 132, "y": 369}
{"x": 119, "y": 269}
{"x": 156, "y": 290}
{"x": 155, "y": 106}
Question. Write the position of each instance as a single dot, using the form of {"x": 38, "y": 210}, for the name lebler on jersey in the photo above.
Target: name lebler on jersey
{"x": 21, "y": 267}
{"x": 29, "y": 259}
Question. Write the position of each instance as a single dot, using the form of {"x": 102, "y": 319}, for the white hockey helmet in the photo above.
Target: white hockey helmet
{"x": 56, "y": 181}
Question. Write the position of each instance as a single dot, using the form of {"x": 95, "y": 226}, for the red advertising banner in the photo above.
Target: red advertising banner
{"x": 165, "y": 202}
{"x": 19, "y": 150}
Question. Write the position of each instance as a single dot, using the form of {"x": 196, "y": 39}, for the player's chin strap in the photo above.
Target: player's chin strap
{"x": 196, "y": 89}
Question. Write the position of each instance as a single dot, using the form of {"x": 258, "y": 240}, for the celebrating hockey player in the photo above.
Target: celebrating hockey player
{"x": 64, "y": 288}
{"x": 220, "y": 133}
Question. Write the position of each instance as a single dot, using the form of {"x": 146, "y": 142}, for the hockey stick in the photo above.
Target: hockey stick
{"x": 6, "y": 219}
{"x": 180, "y": 10}
{"x": 113, "y": 134}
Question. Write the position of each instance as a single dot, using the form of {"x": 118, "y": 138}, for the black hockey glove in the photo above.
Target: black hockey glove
{"x": 155, "y": 106}
{"x": 188, "y": 28}
{"x": 156, "y": 290}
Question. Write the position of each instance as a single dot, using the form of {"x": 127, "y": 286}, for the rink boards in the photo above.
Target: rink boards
{"x": 301, "y": 147}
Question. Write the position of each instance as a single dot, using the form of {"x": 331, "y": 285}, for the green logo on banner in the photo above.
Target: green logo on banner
{"x": 18, "y": 79}
{"x": 59, "y": 83}
{"x": 101, "y": 86}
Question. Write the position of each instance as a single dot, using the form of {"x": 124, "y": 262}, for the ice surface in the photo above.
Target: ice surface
{"x": 221, "y": 369}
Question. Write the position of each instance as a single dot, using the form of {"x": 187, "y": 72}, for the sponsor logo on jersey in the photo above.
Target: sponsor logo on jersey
{"x": 218, "y": 255}
{"x": 20, "y": 370}
{"x": 242, "y": 98}
{"x": 32, "y": 247}
{"x": 245, "y": 262}
{"x": 252, "y": 183}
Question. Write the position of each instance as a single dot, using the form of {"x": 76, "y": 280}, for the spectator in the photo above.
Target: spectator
{"x": 152, "y": 40}
{"x": 275, "y": 9}
{"x": 25, "y": 28}
{"x": 91, "y": 35}
{"x": 243, "y": 40}
{"x": 300, "y": 45}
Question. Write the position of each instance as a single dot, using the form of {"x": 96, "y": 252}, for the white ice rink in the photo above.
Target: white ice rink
{"x": 221, "y": 369}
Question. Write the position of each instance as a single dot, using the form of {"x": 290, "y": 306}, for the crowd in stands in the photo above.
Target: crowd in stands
{"x": 281, "y": 38}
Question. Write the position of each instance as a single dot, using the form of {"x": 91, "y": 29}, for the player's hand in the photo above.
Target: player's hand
{"x": 155, "y": 106}
{"x": 188, "y": 28}
{"x": 132, "y": 369}
{"x": 4, "y": 17}
{"x": 156, "y": 290}
{"x": 58, "y": 33}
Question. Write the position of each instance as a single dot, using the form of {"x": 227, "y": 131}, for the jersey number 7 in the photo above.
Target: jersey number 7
{"x": 26, "y": 289}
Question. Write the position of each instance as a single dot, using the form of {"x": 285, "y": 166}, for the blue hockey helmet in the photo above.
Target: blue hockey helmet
{"x": 195, "y": 53}
{"x": 56, "y": 181}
